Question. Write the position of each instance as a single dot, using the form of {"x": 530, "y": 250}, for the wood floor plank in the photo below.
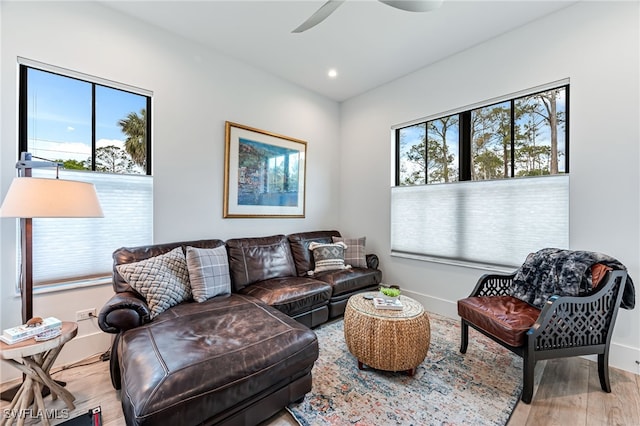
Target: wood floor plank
{"x": 568, "y": 394}
{"x": 562, "y": 396}
{"x": 619, "y": 407}
{"x": 521, "y": 412}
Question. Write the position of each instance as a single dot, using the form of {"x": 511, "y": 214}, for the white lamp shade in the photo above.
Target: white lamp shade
{"x": 30, "y": 197}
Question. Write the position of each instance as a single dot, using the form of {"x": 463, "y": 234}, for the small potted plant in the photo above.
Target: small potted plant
{"x": 390, "y": 293}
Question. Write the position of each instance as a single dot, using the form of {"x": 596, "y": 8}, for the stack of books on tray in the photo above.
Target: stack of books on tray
{"x": 47, "y": 329}
{"x": 392, "y": 304}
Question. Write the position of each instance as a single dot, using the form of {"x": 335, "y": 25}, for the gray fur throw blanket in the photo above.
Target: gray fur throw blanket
{"x": 553, "y": 271}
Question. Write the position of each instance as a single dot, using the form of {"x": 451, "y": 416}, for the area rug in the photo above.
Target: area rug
{"x": 449, "y": 388}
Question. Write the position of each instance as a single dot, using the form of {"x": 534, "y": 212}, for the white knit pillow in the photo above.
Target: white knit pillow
{"x": 163, "y": 280}
{"x": 328, "y": 257}
{"x": 208, "y": 272}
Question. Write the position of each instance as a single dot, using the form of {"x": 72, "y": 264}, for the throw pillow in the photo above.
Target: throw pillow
{"x": 355, "y": 254}
{"x": 328, "y": 257}
{"x": 163, "y": 280}
{"x": 208, "y": 272}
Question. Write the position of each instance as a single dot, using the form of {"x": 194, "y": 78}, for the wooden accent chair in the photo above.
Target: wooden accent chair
{"x": 566, "y": 326}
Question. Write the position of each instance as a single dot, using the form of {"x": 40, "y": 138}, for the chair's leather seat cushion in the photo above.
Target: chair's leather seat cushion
{"x": 197, "y": 360}
{"x": 346, "y": 281}
{"x": 504, "y": 317}
{"x": 291, "y": 295}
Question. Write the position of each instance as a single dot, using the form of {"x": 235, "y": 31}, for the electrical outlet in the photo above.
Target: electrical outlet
{"x": 85, "y": 314}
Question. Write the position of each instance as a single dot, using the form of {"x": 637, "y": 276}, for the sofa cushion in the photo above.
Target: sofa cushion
{"x": 300, "y": 248}
{"x": 208, "y": 272}
{"x": 350, "y": 280}
{"x": 291, "y": 295}
{"x": 198, "y": 360}
{"x": 163, "y": 280}
{"x": 504, "y": 317}
{"x": 355, "y": 254}
{"x": 258, "y": 259}
{"x": 328, "y": 257}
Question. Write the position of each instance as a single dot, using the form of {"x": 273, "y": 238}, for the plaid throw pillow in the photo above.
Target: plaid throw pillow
{"x": 208, "y": 272}
{"x": 355, "y": 254}
{"x": 162, "y": 280}
{"x": 328, "y": 257}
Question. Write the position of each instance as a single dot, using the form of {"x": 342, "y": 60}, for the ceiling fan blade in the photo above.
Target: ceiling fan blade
{"x": 414, "y": 5}
{"x": 320, "y": 15}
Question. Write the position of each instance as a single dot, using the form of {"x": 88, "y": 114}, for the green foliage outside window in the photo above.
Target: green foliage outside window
{"x": 524, "y": 136}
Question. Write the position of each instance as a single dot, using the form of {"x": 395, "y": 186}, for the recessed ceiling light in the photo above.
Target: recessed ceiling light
{"x": 332, "y": 73}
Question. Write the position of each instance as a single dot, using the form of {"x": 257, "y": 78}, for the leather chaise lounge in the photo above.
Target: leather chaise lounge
{"x": 233, "y": 359}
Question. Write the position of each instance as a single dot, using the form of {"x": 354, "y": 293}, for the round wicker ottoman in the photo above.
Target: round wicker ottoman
{"x": 387, "y": 339}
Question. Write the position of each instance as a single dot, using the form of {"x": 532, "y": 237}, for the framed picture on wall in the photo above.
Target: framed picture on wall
{"x": 264, "y": 174}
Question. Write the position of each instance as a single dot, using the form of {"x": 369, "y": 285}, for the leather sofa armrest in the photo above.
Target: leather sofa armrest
{"x": 122, "y": 312}
{"x": 372, "y": 261}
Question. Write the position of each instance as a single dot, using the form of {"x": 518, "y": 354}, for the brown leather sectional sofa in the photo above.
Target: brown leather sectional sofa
{"x": 233, "y": 359}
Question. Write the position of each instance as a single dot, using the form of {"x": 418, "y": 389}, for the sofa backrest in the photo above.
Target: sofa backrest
{"x": 135, "y": 254}
{"x": 300, "y": 248}
{"x": 257, "y": 259}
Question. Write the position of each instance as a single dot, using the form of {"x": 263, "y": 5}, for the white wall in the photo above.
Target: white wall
{"x": 596, "y": 45}
{"x": 195, "y": 91}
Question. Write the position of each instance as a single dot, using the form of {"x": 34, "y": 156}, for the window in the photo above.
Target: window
{"x": 455, "y": 197}
{"x": 101, "y": 132}
{"x": 524, "y": 136}
{"x": 83, "y": 124}
{"x": 428, "y": 152}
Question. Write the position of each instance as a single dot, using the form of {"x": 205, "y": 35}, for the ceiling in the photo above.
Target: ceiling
{"x": 367, "y": 42}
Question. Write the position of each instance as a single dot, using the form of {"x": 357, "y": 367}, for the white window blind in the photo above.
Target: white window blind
{"x": 494, "y": 222}
{"x": 80, "y": 249}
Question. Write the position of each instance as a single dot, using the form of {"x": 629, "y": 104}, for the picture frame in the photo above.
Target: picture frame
{"x": 264, "y": 174}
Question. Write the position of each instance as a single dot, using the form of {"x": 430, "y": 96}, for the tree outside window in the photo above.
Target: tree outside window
{"x": 524, "y": 136}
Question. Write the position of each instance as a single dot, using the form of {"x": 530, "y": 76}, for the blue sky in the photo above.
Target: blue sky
{"x": 59, "y": 110}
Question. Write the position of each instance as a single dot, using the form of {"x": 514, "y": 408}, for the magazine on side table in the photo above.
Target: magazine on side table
{"x": 392, "y": 304}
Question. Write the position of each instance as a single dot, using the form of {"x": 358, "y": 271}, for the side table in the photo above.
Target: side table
{"x": 35, "y": 359}
{"x": 387, "y": 339}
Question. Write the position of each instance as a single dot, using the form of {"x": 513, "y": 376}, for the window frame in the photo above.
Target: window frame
{"x": 465, "y": 125}
{"x": 23, "y": 137}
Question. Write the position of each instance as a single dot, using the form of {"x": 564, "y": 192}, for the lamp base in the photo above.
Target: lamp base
{"x": 10, "y": 393}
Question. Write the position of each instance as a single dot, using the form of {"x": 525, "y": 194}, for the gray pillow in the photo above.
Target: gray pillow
{"x": 163, "y": 280}
{"x": 354, "y": 255}
{"x": 208, "y": 272}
